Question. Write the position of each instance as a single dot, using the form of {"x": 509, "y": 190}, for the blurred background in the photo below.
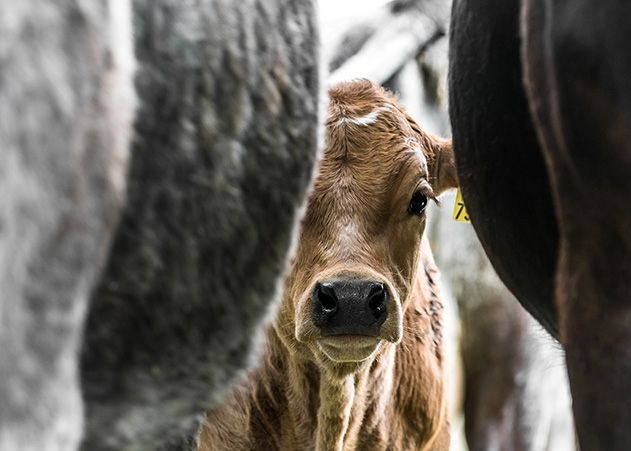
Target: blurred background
{"x": 509, "y": 388}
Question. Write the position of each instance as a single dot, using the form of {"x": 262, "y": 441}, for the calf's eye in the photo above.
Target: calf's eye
{"x": 417, "y": 203}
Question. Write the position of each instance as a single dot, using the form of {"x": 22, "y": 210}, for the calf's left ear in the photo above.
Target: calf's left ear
{"x": 442, "y": 166}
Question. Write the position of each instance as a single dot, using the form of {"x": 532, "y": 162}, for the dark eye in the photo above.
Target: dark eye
{"x": 417, "y": 203}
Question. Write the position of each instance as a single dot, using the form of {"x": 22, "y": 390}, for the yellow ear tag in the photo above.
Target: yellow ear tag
{"x": 460, "y": 211}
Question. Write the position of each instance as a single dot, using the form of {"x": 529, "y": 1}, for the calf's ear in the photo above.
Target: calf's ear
{"x": 442, "y": 166}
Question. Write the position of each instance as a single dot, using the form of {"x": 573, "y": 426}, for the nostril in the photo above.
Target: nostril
{"x": 326, "y": 297}
{"x": 327, "y": 302}
{"x": 377, "y": 299}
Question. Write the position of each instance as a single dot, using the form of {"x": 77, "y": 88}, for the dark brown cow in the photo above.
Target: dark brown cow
{"x": 355, "y": 357}
{"x": 545, "y": 169}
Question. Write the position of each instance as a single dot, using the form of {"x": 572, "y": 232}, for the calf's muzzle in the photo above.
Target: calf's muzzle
{"x": 350, "y": 307}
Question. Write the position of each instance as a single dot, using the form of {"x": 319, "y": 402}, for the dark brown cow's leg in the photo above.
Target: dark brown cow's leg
{"x": 578, "y": 72}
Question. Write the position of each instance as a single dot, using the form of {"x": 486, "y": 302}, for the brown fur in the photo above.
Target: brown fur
{"x": 356, "y": 223}
{"x": 576, "y": 70}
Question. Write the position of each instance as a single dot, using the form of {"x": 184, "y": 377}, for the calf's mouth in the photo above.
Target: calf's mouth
{"x": 350, "y": 348}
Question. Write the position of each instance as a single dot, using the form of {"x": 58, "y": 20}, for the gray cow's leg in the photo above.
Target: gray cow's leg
{"x": 226, "y": 138}
{"x": 65, "y": 110}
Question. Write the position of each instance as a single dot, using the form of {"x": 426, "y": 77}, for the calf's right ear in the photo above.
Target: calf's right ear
{"x": 442, "y": 167}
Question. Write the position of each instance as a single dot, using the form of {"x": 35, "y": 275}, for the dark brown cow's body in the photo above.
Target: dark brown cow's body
{"x": 543, "y": 148}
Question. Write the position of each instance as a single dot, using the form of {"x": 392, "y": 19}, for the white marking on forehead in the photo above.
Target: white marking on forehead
{"x": 345, "y": 239}
{"x": 415, "y": 146}
{"x": 348, "y": 234}
{"x": 367, "y": 119}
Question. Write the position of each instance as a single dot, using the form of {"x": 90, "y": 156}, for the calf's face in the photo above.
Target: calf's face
{"x": 359, "y": 248}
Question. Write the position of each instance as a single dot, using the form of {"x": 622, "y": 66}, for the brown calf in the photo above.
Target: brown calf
{"x": 354, "y": 358}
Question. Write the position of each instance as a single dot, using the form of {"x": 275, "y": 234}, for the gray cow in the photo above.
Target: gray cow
{"x": 208, "y": 193}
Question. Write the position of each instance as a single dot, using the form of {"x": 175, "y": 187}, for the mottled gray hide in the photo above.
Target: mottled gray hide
{"x": 226, "y": 138}
{"x": 225, "y": 141}
{"x": 66, "y": 101}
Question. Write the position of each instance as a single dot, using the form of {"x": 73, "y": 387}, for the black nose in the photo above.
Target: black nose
{"x": 350, "y": 307}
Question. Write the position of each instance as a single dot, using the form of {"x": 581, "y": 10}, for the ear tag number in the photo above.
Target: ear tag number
{"x": 460, "y": 211}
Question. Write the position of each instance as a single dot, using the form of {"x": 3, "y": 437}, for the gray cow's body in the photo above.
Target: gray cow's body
{"x": 66, "y": 103}
{"x": 221, "y": 158}
{"x": 225, "y": 140}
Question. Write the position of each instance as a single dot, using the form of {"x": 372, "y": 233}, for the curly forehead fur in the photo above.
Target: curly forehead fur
{"x": 360, "y": 110}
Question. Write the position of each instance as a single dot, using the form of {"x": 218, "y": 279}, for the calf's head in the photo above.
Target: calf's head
{"x": 359, "y": 249}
